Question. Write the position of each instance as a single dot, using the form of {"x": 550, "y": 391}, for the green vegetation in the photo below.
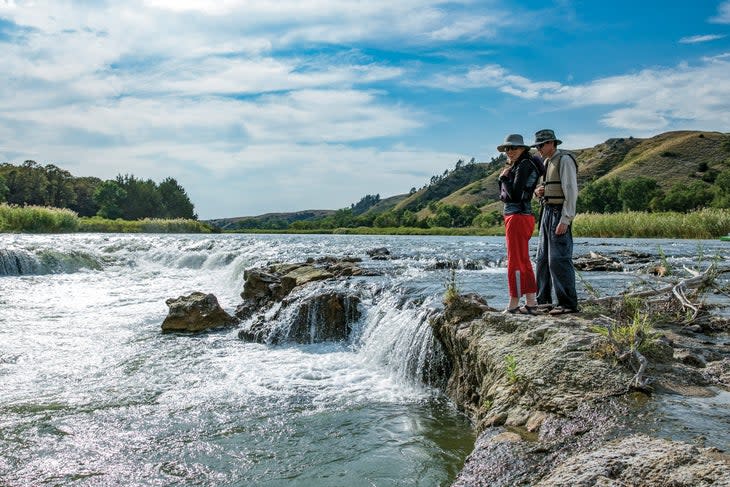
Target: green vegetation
{"x": 31, "y": 184}
{"x": 633, "y": 330}
{"x": 146, "y": 225}
{"x": 510, "y": 369}
{"x": 702, "y": 224}
{"x": 38, "y": 219}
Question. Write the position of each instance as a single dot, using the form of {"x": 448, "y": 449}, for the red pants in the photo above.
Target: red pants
{"x": 520, "y": 276}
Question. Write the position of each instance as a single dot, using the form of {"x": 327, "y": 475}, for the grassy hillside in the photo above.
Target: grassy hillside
{"x": 268, "y": 220}
{"x": 668, "y": 158}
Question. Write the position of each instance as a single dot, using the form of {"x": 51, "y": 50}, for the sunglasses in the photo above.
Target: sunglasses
{"x": 540, "y": 146}
{"x": 512, "y": 147}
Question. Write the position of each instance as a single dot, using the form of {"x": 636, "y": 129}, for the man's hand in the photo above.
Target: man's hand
{"x": 561, "y": 229}
{"x": 540, "y": 191}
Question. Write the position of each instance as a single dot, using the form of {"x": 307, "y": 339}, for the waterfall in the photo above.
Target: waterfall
{"x": 21, "y": 262}
{"x": 18, "y": 263}
{"x": 398, "y": 336}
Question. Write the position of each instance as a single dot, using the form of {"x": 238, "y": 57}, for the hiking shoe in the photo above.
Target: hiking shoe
{"x": 561, "y": 310}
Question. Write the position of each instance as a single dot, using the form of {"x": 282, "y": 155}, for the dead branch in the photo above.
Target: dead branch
{"x": 678, "y": 290}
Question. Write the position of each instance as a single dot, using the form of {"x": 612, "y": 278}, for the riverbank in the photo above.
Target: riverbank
{"x": 702, "y": 224}
{"x": 554, "y": 405}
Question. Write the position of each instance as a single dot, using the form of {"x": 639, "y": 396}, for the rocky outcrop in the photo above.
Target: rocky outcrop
{"x": 551, "y": 409}
{"x": 266, "y": 286}
{"x": 273, "y": 298}
{"x": 194, "y": 313}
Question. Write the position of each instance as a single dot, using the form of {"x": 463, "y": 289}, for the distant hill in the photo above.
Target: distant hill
{"x": 669, "y": 158}
{"x": 268, "y": 220}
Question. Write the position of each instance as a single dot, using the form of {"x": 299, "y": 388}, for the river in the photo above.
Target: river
{"x": 92, "y": 393}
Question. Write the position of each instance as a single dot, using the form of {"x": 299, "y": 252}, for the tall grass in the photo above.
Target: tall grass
{"x": 703, "y": 224}
{"x": 148, "y": 225}
{"x": 37, "y": 219}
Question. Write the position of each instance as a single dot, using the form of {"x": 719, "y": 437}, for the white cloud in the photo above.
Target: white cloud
{"x": 723, "y": 13}
{"x": 650, "y": 100}
{"x": 700, "y": 38}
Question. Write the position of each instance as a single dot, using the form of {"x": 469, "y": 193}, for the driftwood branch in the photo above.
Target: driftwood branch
{"x": 678, "y": 289}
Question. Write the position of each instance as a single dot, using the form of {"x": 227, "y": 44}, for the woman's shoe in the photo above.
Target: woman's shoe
{"x": 512, "y": 311}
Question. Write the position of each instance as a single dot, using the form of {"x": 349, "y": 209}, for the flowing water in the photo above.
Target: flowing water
{"x": 92, "y": 393}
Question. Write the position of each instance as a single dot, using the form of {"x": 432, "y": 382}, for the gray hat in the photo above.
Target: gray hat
{"x": 512, "y": 140}
{"x": 545, "y": 135}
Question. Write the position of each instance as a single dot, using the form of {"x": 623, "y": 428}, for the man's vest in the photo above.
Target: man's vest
{"x": 553, "y": 190}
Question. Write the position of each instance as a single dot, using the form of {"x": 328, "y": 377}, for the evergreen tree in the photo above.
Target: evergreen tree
{"x": 110, "y": 197}
{"x": 175, "y": 200}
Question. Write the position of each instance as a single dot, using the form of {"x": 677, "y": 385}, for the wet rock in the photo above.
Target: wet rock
{"x": 195, "y": 312}
{"x": 689, "y": 358}
{"x": 597, "y": 262}
{"x": 642, "y": 460}
{"x": 266, "y": 286}
{"x": 380, "y": 253}
{"x": 322, "y": 317}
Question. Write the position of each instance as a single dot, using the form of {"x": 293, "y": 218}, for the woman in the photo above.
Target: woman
{"x": 517, "y": 181}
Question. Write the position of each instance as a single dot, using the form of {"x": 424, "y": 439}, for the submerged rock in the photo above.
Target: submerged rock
{"x": 195, "y": 312}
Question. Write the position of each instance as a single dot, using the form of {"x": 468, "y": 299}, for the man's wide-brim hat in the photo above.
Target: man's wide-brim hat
{"x": 545, "y": 135}
{"x": 512, "y": 140}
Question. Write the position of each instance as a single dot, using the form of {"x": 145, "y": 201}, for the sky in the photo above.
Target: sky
{"x": 258, "y": 106}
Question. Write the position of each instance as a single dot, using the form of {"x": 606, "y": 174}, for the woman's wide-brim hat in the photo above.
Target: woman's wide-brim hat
{"x": 512, "y": 140}
{"x": 545, "y": 135}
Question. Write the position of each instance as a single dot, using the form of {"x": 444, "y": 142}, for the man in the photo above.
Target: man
{"x": 559, "y": 194}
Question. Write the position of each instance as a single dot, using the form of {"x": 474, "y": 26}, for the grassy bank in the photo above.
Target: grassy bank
{"x": 704, "y": 224}
{"x": 38, "y": 219}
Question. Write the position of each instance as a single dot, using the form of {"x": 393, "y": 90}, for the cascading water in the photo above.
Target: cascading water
{"x": 92, "y": 393}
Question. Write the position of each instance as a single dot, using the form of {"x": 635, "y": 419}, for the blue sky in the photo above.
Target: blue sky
{"x": 259, "y": 106}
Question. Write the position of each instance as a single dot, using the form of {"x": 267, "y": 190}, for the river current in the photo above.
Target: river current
{"x": 92, "y": 393}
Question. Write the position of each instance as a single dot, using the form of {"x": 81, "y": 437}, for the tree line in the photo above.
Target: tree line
{"x": 641, "y": 193}
{"x": 126, "y": 196}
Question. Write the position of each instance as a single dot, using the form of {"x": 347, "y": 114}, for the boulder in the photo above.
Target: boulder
{"x": 195, "y": 312}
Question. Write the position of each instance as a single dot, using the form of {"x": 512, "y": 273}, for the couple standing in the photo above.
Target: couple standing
{"x": 558, "y": 193}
